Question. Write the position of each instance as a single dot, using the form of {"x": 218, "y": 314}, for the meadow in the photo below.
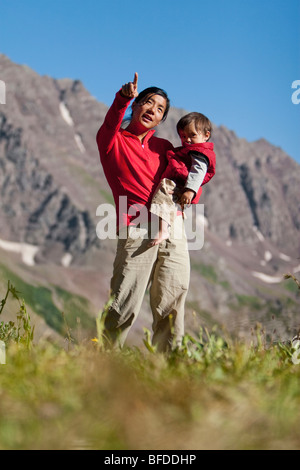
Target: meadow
{"x": 216, "y": 392}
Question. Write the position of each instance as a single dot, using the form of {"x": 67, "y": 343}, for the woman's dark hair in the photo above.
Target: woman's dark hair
{"x": 153, "y": 90}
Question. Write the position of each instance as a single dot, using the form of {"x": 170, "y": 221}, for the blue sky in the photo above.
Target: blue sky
{"x": 234, "y": 60}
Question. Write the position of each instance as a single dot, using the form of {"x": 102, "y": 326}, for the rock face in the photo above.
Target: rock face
{"x": 52, "y": 183}
{"x": 34, "y": 209}
{"x": 40, "y": 147}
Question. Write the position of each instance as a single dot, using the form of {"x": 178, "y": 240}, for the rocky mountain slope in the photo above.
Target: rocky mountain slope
{"x": 52, "y": 183}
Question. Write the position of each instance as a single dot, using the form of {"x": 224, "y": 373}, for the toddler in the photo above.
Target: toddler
{"x": 190, "y": 167}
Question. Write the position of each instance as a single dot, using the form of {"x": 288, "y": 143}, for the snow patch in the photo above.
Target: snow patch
{"x": 26, "y": 251}
{"x": 79, "y": 143}
{"x": 266, "y": 278}
{"x": 66, "y": 260}
{"x": 65, "y": 114}
{"x": 258, "y": 233}
{"x": 284, "y": 257}
{"x": 268, "y": 256}
{"x": 296, "y": 269}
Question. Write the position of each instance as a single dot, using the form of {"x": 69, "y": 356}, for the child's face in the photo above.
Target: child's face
{"x": 190, "y": 135}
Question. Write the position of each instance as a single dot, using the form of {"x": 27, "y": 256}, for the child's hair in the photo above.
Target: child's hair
{"x": 202, "y": 123}
{"x": 153, "y": 90}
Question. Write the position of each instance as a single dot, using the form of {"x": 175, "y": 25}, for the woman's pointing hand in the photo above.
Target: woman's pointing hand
{"x": 130, "y": 89}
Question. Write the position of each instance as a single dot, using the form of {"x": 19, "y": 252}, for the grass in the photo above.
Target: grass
{"x": 214, "y": 393}
{"x": 248, "y": 300}
{"x": 43, "y": 301}
{"x": 207, "y": 271}
{"x": 75, "y": 304}
{"x": 216, "y": 396}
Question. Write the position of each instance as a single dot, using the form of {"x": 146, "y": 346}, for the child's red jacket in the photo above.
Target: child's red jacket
{"x": 180, "y": 163}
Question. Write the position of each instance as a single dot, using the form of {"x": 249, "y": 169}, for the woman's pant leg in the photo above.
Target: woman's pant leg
{"x": 169, "y": 289}
{"x": 133, "y": 266}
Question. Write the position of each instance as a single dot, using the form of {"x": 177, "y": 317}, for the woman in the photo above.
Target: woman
{"x": 133, "y": 161}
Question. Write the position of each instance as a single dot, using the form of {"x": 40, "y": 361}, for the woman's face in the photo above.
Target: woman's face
{"x": 150, "y": 111}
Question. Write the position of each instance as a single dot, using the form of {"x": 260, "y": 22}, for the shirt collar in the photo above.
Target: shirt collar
{"x": 146, "y": 138}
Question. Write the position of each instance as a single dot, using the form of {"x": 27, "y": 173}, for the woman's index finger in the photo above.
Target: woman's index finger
{"x": 135, "y": 80}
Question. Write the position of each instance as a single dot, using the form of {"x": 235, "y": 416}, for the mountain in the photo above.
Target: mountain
{"x": 52, "y": 184}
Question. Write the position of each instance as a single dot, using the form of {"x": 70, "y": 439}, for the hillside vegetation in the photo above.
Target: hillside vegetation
{"x": 214, "y": 393}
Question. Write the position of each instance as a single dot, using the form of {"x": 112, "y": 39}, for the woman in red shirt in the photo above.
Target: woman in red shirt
{"x": 133, "y": 161}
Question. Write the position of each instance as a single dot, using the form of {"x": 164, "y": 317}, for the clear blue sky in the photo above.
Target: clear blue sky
{"x": 234, "y": 60}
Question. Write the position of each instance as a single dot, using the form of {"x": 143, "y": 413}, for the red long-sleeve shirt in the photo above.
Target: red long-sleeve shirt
{"x": 132, "y": 169}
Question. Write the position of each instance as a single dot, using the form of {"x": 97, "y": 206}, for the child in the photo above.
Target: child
{"x": 190, "y": 167}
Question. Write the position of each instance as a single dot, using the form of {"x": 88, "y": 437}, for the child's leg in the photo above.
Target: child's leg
{"x": 162, "y": 234}
{"x": 163, "y": 211}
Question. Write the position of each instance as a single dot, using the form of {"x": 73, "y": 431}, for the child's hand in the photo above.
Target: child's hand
{"x": 130, "y": 89}
{"x": 186, "y": 197}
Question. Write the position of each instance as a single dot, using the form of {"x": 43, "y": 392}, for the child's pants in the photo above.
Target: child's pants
{"x": 166, "y": 267}
{"x": 162, "y": 203}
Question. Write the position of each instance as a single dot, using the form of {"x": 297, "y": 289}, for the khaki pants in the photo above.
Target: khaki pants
{"x": 162, "y": 202}
{"x": 166, "y": 268}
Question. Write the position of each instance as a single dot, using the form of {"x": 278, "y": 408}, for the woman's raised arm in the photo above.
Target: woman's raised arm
{"x": 107, "y": 133}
